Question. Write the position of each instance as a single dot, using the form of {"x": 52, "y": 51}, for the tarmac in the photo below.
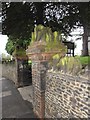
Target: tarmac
{"x": 16, "y": 103}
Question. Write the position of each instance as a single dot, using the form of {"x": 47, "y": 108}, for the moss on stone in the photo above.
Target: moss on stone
{"x": 20, "y": 52}
{"x": 52, "y": 40}
{"x": 70, "y": 65}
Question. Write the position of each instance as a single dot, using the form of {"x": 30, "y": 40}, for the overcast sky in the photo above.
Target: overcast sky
{"x": 78, "y": 43}
{"x": 3, "y": 41}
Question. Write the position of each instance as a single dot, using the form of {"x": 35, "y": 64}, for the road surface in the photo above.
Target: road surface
{"x": 13, "y": 105}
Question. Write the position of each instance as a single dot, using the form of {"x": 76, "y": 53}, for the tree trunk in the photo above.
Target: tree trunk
{"x": 85, "y": 42}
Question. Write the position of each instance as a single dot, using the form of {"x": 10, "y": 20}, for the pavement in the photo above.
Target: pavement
{"x": 26, "y": 93}
{"x": 14, "y": 104}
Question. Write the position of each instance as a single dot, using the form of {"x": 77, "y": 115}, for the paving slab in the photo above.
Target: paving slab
{"x": 27, "y": 93}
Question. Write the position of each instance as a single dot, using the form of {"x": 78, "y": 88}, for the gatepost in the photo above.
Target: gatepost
{"x": 39, "y": 69}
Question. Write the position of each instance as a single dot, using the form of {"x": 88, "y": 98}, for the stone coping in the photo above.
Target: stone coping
{"x": 69, "y": 77}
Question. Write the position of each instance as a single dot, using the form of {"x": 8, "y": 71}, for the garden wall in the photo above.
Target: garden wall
{"x": 66, "y": 96}
{"x": 0, "y": 70}
{"x": 9, "y": 71}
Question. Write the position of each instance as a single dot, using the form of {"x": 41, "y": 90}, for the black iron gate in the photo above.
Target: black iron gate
{"x": 25, "y": 73}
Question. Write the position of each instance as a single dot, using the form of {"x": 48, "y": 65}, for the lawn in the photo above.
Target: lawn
{"x": 84, "y": 60}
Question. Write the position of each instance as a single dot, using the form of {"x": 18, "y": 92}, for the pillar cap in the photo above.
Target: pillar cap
{"x": 37, "y": 52}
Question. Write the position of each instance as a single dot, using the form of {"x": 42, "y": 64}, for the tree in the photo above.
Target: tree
{"x": 58, "y": 16}
{"x": 77, "y": 15}
{"x": 19, "y": 19}
{"x": 13, "y": 44}
{"x": 83, "y": 19}
{"x": 10, "y": 47}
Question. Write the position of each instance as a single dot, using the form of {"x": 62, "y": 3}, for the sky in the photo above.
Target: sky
{"x": 78, "y": 47}
{"x": 78, "y": 43}
{"x": 3, "y": 41}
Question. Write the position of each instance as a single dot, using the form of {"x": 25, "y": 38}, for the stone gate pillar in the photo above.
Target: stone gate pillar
{"x": 38, "y": 80}
{"x": 17, "y": 72}
{"x": 39, "y": 69}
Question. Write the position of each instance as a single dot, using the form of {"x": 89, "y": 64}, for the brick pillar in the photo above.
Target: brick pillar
{"x": 39, "y": 69}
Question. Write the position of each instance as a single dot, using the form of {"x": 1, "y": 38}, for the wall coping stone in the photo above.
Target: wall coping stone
{"x": 70, "y": 77}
